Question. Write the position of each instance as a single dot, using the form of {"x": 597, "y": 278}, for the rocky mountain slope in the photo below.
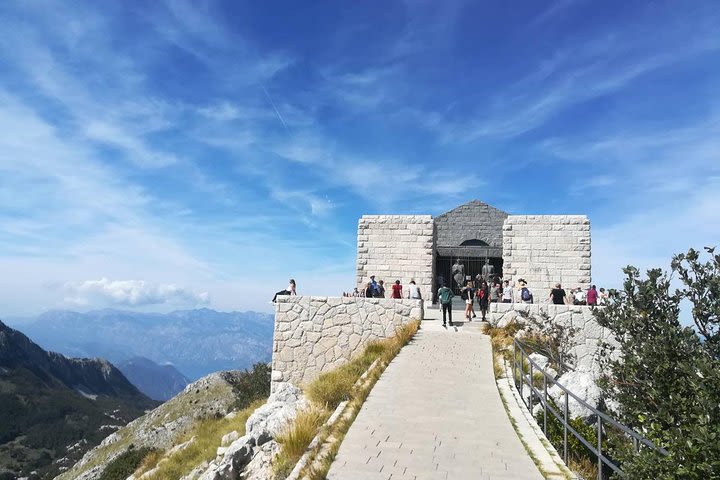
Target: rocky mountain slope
{"x": 213, "y": 396}
{"x": 54, "y": 408}
{"x": 197, "y": 342}
{"x": 159, "y": 382}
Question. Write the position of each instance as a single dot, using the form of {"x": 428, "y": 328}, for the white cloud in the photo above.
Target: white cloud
{"x": 130, "y": 293}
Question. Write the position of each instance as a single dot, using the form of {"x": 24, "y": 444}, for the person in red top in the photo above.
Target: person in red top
{"x": 592, "y": 296}
{"x": 396, "y": 290}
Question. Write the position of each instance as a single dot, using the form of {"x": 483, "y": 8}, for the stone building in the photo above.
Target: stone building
{"x": 455, "y": 246}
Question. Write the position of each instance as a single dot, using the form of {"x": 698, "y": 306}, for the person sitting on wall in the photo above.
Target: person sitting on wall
{"x": 579, "y": 296}
{"x": 290, "y": 290}
{"x": 396, "y": 290}
{"x": 558, "y": 296}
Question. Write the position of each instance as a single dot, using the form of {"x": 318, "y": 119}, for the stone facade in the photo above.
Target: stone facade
{"x": 547, "y": 249}
{"x": 396, "y": 247}
{"x": 316, "y": 334}
{"x": 474, "y": 220}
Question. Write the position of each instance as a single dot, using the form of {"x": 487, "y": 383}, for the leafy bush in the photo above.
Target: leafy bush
{"x": 665, "y": 377}
{"x": 253, "y": 385}
{"x": 125, "y": 464}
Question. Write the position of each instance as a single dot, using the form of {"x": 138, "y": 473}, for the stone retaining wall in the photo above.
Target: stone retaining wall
{"x": 396, "y": 247}
{"x": 545, "y": 250}
{"x": 587, "y": 339}
{"x": 316, "y": 334}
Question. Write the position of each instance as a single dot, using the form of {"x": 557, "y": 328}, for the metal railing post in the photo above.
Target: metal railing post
{"x": 565, "y": 430}
{"x": 532, "y": 387}
{"x": 599, "y": 447}
{"x": 545, "y": 404}
{"x": 522, "y": 374}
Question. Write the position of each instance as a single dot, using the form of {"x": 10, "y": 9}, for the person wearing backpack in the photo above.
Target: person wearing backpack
{"x": 446, "y": 295}
{"x": 525, "y": 293}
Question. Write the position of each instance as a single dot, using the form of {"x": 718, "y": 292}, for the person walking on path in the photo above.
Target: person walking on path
{"x": 558, "y": 296}
{"x": 467, "y": 294}
{"x": 507, "y": 293}
{"x": 445, "y": 295}
{"x": 592, "y": 296}
{"x": 483, "y": 297}
{"x": 414, "y": 291}
{"x": 396, "y": 290}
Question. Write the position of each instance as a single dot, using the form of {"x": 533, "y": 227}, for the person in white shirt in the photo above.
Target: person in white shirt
{"x": 414, "y": 291}
{"x": 507, "y": 293}
{"x": 579, "y": 296}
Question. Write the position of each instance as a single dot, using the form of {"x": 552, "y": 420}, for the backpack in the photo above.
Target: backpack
{"x": 445, "y": 295}
{"x": 525, "y": 294}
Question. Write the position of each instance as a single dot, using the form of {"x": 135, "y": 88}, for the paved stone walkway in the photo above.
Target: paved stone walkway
{"x": 435, "y": 414}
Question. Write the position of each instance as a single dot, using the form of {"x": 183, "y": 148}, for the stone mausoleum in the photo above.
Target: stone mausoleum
{"x": 475, "y": 238}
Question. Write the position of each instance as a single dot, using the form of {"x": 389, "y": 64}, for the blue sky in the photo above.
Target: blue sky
{"x": 169, "y": 154}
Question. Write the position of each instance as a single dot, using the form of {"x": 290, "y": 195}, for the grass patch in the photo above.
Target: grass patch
{"x": 325, "y": 394}
{"x": 295, "y": 438}
{"x": 205, "y": 437}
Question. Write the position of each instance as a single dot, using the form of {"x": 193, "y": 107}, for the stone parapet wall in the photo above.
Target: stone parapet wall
{"x": 545, "y": 250}
{"x": 588, "y": 337}
{"x": 316, "y": 334}
{"x": 396, "y": 247}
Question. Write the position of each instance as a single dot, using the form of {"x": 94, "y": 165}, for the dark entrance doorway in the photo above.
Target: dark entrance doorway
{"x": 473, "y": 266}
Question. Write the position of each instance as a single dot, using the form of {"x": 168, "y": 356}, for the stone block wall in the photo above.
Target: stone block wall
{"x": 547, "y": 249}
{"x": 474, "y": 220}
{"x": 588, "y": 336}
{"x": 396, "y": 247}
{"x": 316, "y": 334}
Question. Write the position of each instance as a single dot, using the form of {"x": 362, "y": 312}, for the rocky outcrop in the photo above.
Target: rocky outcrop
{"x": 211, "y": 396}
{"x": 249, "y": 456}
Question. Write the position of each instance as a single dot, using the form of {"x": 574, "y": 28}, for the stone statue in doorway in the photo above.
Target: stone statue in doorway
{"x": 458, "y": 271}
{"x": 487, "y": 271}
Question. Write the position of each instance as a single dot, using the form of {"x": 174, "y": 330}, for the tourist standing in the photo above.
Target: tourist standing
{"x": 467, "y": 294}
{"x": 507, "y": 293}
{"x": 526, "y": 295}
{"x": 396, "y": 290}
{"x": 374, "y": 286}
{"x": 579, "y": 296}
{"x": 592, "y": 296}
{"x": 603, "y": 297}
{"x": 369, "y": 292}
{"x": 414, "y": 291}
{"x": 483, "y": 297}
{"x": 495, "y": 293}
{"x": 381, "y": 289}
{"x": 445, "y": 295}
{"x": 558, "y": 295}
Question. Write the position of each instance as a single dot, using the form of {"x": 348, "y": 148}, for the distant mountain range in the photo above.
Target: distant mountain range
{"x": 159, "y": 382}
{"x": 195, "y": 342}
{"x": 53, "y": 408}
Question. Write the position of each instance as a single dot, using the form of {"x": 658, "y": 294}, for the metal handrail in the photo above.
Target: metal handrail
{"x": 522, "y": 380}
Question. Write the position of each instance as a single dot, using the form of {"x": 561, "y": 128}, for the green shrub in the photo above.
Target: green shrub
{"x": 125, "y": 464}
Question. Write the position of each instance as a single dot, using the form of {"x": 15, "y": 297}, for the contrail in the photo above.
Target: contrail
{"x": 275, "y": 108}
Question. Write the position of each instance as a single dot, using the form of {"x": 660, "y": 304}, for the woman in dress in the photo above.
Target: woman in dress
{"x": 396, "y": 290}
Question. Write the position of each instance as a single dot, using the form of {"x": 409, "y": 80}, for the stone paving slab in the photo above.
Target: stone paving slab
{"x": 435, "y": 414}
